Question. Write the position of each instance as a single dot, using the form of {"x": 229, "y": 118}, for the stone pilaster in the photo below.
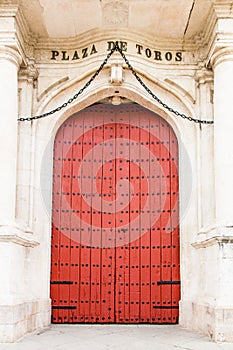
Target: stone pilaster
{"x": 212, "y": 310}
{"x": 27, "y": 95}
{"x": 222, "y": 62}
{"x": 204, "y": 83}
{"x": 9, "y": 64}
{"x": 16, "y": 316}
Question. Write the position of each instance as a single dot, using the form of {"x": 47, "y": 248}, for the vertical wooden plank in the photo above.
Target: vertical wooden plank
{"x": 155, "y": 178}
{"x": 105, "y": 294}
{"x": 83, "y": 255}
{"x": 69, "y": 209}
{"x": 108, "y": 218}
{"x": 174, "y": 226}
{"x": 111, "y": 154}
{"x": 65, "y": 222}
{"x": 122, "y": 217}
{"x": 134, "y": 218}
{"x": 96, "y": 300}
{"x": 145, "y": 224}
{"x": 75, "y": 250}
{"x": 124, "y": 165}
{"x": 165, "y": 218}
{"x": 55, "y": 242}
{"x": 86, "y": 218}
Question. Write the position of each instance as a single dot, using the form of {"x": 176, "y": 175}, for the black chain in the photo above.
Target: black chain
{"x": 65, "y": 104}
{"x": 156, "y": 98}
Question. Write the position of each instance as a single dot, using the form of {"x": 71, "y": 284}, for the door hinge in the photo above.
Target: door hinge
{"x": 61, "y": 282}
{"x": 64, "y": 307}
{"x": 159, "y": 283}
{"x": 165, "y": 307}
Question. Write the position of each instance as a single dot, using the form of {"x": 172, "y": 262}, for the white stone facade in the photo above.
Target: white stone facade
{"x": 198, "y": 85}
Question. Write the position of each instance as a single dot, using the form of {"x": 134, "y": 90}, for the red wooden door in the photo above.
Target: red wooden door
{"x": 115, "y": 222}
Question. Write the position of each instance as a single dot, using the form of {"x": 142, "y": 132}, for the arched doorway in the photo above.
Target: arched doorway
{"x": 115, "y": 229}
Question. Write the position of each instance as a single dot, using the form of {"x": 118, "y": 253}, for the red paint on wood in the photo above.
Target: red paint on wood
{"x": 115, "y": 232}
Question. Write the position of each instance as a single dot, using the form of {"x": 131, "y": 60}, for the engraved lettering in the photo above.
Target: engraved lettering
{"x": 93, "y": 50}
{"x": 55, "y": 54}
{"x": 64, "y": 57}
{"x": 139, "y": 47}
{"x": 178, "y": 57}
{"x": 148, "y": 53}
{"x": 168, "y": 56}
{"x": 158, "y": 56}
{"x": 123, "y": 45}
{"x": 75, "y": 56}
{"x": 111, "y": 45}
{"x": 84, "y": 52}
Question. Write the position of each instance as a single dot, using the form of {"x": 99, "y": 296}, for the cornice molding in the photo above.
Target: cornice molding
{"x": 203, "y": 39}
{"x": 223, "y": 8}
{"x": 215, "y": 36}
{"x": 96, "y": 35}
{"x": 9, "y": 5}
{"x": 18, "y": 36}
{"x": 26, "y": 40}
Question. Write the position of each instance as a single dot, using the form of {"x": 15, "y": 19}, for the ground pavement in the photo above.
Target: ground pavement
{"x": 116, "y": 337}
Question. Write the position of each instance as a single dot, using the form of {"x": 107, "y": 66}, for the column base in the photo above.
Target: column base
{"x": 213, "y": 321}
{"x": 17, "y": 320}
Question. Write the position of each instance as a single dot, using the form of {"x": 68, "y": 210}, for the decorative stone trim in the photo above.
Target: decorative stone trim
{"x": 52, "y": 87}
{"x": 222, "y": 55}
{"x": 216, "y": 235}
{"x": 115, "y": 13}
{"x": 203, "y": 75}
{"x": 223, "y": 8}
{"x": 9, "y": 54}
{"x": 30, "y": 72}
{"x": 116, "y": 76}
{"x": 211, "y": 241}
{"x": 17, "y": 236}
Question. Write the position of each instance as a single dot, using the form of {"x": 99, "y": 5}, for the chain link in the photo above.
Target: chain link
{"x": 156, "y": 98}
{"x": 65, "y": 104}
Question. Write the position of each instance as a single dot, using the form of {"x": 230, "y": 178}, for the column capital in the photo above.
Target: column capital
{"x": 29, "y": 73}
{"x": 203, "y": 75}
{"x": 9, "y": 54}
{"x": 222, "y": 54}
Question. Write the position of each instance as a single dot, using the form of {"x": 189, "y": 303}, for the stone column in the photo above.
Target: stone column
{"x": 222, "y": 248}
{"x": 204, "y": 80}
{"x": 27, "y": 85}
{"x": 212, "y": 308}
{"x": 9, "y": 65}
{"x": 222, "y": 62}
